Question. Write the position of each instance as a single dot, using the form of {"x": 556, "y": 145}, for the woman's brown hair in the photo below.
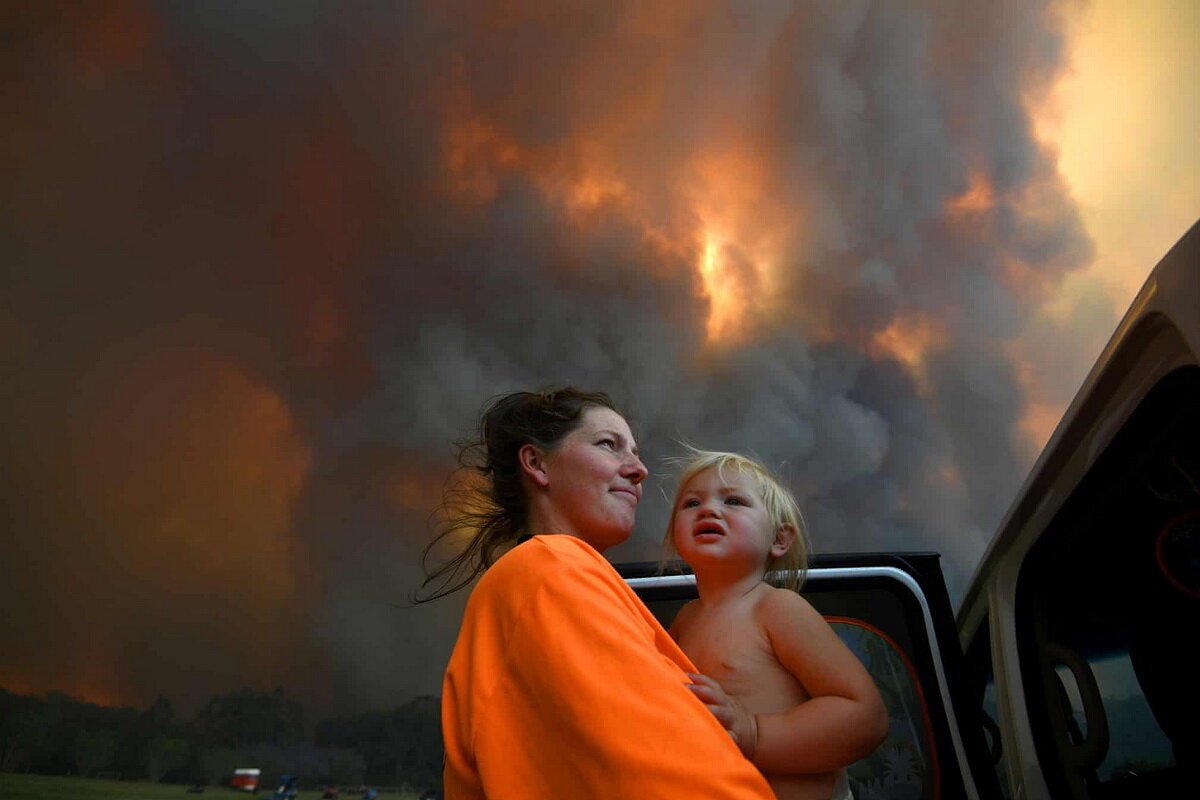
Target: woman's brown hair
{"x": 486, "y": 498}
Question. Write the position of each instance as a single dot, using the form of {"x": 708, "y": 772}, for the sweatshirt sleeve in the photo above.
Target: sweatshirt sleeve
{"x": 590, "y": 708}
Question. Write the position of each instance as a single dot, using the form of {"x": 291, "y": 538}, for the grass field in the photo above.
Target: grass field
{"x": 52, "y": 787}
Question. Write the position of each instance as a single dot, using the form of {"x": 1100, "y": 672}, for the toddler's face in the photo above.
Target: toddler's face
{"x": 722, "y": 518}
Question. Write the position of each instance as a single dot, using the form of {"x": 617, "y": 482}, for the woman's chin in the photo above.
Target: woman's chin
{"x": 602, "y": 540}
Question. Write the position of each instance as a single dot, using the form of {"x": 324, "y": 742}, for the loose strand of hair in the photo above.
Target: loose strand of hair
{"x": 491, "y": 529}
{"x": 467, "y": 506}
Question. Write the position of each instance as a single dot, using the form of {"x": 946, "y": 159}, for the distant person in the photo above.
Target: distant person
{"x": 562, "y": 684}
{"x": 287, "y": 788}
{"x": 801, "y": 705}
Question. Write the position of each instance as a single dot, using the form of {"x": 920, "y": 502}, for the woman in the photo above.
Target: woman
{"x": 562, "y": 684}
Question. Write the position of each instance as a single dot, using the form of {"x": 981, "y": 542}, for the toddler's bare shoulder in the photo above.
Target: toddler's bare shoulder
{"x": 783, "y": 605}
{"x": 682, "y": 617}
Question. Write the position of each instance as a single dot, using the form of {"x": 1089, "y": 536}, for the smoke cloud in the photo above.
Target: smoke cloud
{"x": 268, "y": 262}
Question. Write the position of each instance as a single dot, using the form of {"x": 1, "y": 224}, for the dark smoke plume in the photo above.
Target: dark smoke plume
{"x": 266, "y": 263}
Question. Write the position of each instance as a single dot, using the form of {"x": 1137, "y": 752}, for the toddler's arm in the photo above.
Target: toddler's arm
{"x": 845, "y": 719}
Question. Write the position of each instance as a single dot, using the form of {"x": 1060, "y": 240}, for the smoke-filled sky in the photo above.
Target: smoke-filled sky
{"x": 266, "y": 262}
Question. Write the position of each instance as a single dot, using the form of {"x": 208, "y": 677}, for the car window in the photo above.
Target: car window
{"x": 906, "y": 763}
{"x": 1108, "y": 601}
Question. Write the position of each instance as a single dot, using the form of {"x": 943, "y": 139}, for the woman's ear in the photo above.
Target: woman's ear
{"x": 533, "y": 464}
{"x": 785, "y": 534}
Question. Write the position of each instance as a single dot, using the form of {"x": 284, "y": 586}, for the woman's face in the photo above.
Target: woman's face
{"x": 594, "y": 479}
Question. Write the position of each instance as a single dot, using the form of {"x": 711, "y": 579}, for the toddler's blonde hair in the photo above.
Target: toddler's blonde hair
{"x": 781, "y": 507}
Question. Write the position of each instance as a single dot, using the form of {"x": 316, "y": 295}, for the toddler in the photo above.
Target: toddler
{"x": 799, "y": 704}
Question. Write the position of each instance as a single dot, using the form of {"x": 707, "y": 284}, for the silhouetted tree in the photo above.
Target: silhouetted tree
{"x": 59, "y": 734}
{"x": 401, "y": 746}
{"x": 216, "y": 764}
{"x": 24, "y": 730}
{"x": 94, "y": 749}
{"x": 346, "y": 767}
{"x": 154, "y": 723}
{"x": 163, "y": 754}
{"x": 247, "y": 717}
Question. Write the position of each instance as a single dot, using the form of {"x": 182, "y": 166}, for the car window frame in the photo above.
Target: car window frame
{"x": 939, "y": 643}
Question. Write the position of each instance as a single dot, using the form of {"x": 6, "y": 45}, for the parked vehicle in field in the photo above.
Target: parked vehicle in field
{"x": 246, "y": 779}
{"x": 1069, "y": 671}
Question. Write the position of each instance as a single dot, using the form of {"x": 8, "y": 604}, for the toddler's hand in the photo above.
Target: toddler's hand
{"x": 742, "y": 726}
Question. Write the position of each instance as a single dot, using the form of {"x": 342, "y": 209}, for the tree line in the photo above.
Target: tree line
{"x": 58, "y": 734}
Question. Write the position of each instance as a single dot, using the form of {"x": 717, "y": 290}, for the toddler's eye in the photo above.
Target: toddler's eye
{"x": 691, "y": 501}
{"x": 734, "y": 501}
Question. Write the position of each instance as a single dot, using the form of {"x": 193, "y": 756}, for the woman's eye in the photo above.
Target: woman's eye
{"x": 609, "y": 443}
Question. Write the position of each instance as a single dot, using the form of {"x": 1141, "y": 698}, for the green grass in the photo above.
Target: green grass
{"x": 54, "y": 787}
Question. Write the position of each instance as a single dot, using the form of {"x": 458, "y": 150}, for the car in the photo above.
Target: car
{"x": 1068, "y": 670}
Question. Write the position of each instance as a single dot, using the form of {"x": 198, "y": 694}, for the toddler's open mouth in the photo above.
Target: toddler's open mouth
{"x": 707, "y": 531}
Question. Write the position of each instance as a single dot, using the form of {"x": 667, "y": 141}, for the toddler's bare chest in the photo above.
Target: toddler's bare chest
{"x": 737, "y": 655}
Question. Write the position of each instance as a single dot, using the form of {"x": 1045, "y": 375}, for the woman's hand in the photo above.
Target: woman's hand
{"x": 742, "y": 726}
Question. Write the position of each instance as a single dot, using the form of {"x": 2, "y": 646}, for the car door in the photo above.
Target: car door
{"x": 1080, "y": 623}
{"x": 893, "y": 612}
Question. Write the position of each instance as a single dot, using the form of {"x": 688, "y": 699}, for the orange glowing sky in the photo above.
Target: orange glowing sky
{"x": 1124, "y": 120}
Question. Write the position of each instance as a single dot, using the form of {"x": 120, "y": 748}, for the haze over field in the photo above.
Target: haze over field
{"x": 266, "y": 263}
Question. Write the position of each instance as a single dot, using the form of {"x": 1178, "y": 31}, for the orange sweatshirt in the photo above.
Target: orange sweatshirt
{"x": 563, "y": 686}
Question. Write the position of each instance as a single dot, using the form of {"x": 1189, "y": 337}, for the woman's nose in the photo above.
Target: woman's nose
{"x": 635, "y": 471}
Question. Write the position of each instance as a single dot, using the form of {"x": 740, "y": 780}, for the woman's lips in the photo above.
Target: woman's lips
{"x": 627, "y": 492}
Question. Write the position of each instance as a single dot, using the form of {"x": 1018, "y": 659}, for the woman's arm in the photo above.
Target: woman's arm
{"x": 587, "y": 704}
{"x": 845, "y": 719}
